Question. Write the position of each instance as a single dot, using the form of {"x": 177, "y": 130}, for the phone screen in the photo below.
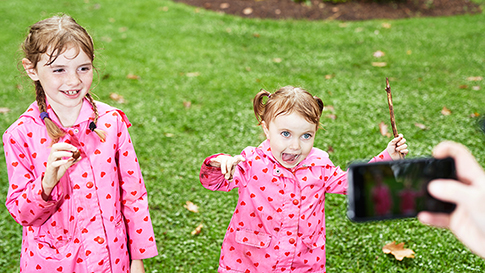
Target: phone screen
{"x": 396, "y": 189}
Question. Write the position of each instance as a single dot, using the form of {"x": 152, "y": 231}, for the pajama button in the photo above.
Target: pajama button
{"x": 100, "y": 240}
{"x": 295, "y": 202}
{"x": 292, "y": 241}
{"x": 89, "y": 185}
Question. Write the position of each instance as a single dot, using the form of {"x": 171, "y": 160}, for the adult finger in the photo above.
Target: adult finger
{"x": 467, "y": 168}
{"x": 450, "y": 190}
{"x": 435, "y": 219}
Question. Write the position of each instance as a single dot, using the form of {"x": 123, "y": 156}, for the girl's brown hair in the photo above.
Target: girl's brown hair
{"x": 53, "y": 36}
{"x": 287, "y": 100}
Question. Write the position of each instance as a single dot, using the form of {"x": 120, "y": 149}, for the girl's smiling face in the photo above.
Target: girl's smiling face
{"x": 65, "y": 81}
{"x": 291, "y": 138}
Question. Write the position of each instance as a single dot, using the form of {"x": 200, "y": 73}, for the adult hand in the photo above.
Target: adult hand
{"x": 59, "y": 160}
{"x": 227, "y": 164}
{"x": 467, "y": 221}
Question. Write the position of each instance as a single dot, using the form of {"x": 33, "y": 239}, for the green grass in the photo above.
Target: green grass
{"x": 428, "y": 59}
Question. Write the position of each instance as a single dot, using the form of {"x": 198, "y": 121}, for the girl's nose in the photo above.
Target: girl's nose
{"x": 295, "y": 144}
{"x": 73, "y": 79}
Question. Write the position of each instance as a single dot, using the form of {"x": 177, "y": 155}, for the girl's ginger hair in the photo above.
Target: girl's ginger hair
{"x": 53, "y": 36}
{"x": 287, "y": 100}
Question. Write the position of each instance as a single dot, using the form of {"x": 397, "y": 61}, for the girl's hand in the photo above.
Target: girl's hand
{"x": 59, "y": 160}
{"x": 137, "y": 266}
{"x": 227, "y": 164}
{"x": 397, "y": 148}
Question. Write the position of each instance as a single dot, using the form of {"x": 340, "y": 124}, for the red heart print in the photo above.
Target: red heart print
{"x": 97, "y": 152}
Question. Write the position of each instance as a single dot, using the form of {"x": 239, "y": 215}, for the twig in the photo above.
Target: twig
{"x": 391, "y": 109}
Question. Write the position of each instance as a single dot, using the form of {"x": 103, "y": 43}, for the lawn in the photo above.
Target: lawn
{"x": 188, "y": 75}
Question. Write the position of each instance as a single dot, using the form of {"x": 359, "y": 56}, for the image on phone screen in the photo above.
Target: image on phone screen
{"x": 396, "y": 189}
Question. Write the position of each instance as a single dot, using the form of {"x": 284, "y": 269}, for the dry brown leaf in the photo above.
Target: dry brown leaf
{"x": 4, "y": 110}
{"x": 329, "y": 108}
{"x": 192, "y": 74}
{"x": 256, "y": 35}
{"x": 247, "y": 11}
{"x": 463, "y": 86}
{"x": 421, "y": 126}
{"x": 277, "y": 11}
{"x": 191, "y": 207}
{"x": 328, "y": 77}
{"x": 472, "y": 79}
{"x": 132, "y": 76}
{"x": 475, "y": 115}
{"x": 187, "y": 104}
{"x": 379, "y": 64}
{"x": 409, "y": 52}
{"x": 224, "y": 5}
{"x": 386, "y": 25}
{"x": 378, "y": 54}
{"x": 277, "y": 60}
{"x": 383, "y": 129}
{"x": 398, "y": 251}
{"x": 445, "y": 111}
{"x": 117, "y": 97}
{"x": 330, "y": 149}
{"x": 197, "y": 230}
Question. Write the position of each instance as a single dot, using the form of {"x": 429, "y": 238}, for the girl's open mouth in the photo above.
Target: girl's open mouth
{"x": 71, "y": 92}
{"x": 290, "y": 158}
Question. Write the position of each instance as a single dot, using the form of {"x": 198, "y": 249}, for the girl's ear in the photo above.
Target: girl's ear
{"x": 265, "y": 128}
{"x": 29, "y": 69}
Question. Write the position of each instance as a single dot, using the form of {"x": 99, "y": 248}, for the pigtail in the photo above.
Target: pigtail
{"x": 259, "y": 105}
{"x": 92, "y": 126}
{"x": 54, "y": 132}
{"x": 320, "y": 103}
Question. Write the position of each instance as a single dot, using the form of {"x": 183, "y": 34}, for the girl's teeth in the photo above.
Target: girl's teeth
{"x": 71, "y": 92}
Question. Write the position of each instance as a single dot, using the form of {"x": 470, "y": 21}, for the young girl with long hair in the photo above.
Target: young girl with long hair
{"x": 279, "y": 221}
{"x": 75, "y": 184}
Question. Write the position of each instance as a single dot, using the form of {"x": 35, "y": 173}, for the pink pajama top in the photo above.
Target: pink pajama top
{"x": 279, "y": 221}
{"x": 97, "y": 216}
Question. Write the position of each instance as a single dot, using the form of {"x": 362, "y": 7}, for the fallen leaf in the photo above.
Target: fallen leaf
{"x": 476, "y": 88}
{"x": 197, "y": 230}
{"x": 132, "y": 76}
{"x": 256, "y": 35}
{"x": 117, "y": 97}
{"x": 192, "y": 74}
{"x": 383, "y": 129}
{"x": 421, "y": 126}
{"x": 277, "y": 60}
{"x": 379, "y": 54}
{"x": 328, "y": 77}
{"x": 187, "y": 104}
{"x": 379, "y": 64}
{"x": 463, "y": 86}
{"x": 277, "y": 11}
{"x": 445, "y": 111}
{"x": 475, "y": 115}
{"x": 191, "y": 207}
{"x": 386, "y": 25}
{"x": 224, "y": 5}
{"x": 247, "y": 11}
{"x": 169, "y": 134}
{"x": 409, "y": 52}
{"x": 4, "y": 110}
{"x": 472, "y": 79}
{"x": 398, "y": 251}
{"x": 330, "y": 149}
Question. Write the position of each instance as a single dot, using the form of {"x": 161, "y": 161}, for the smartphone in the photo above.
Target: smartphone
{"x": 396, "y": 189}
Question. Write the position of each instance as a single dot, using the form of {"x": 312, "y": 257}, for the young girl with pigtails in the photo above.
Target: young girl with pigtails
{"x": 75, "y": 184}
{"x": 279, "y": 221}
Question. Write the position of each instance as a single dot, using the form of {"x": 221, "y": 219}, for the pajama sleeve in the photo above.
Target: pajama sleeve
{"x": 24, "y": 199}
{"x": 134, "y": 200}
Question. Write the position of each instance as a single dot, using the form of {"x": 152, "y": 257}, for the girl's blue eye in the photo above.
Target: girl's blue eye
{"x": 58, "y": 70}
{"x": 85, "y": 68}
{"x": 307, "y": 136}
{"x": 285, "y": 134}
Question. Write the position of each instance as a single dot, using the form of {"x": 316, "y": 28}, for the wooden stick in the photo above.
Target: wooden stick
{"x": 391, "y": 108}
